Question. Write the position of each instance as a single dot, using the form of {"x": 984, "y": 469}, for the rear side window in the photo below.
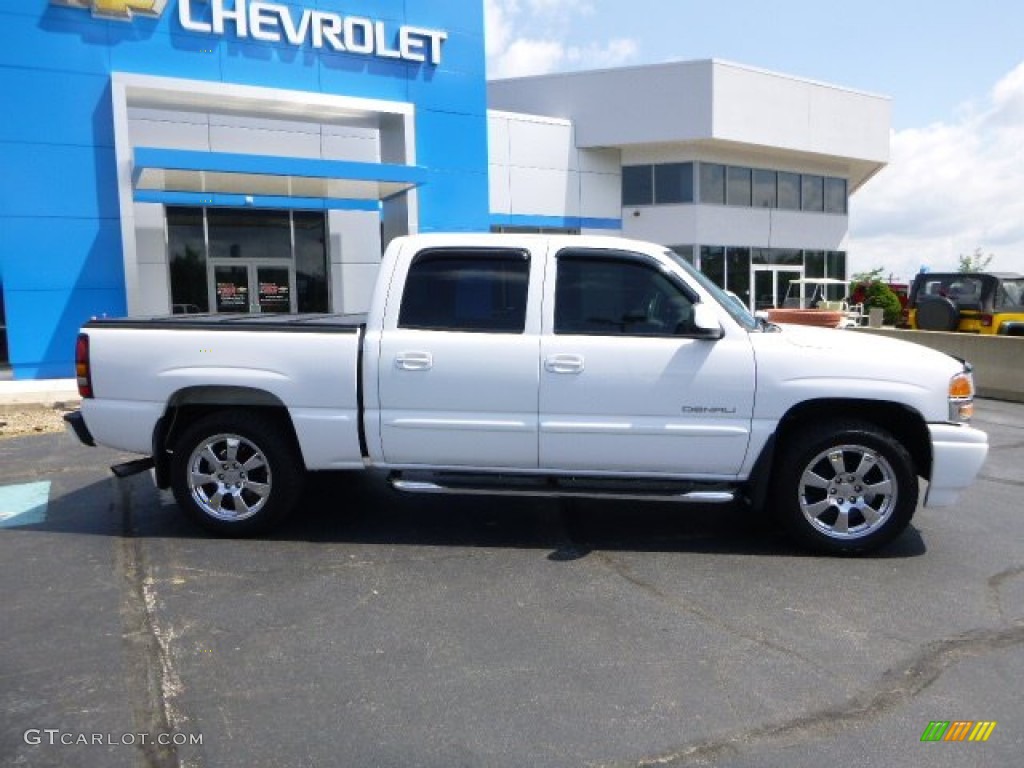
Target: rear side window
{"x": 469, "y": 290}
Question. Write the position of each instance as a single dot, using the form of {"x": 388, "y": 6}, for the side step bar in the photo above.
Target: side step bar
{"x": 565, "y": 487}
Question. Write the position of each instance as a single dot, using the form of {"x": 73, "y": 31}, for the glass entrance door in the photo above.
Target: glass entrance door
{"x": 770, "y": 285}
{"x": 252, "y": 287}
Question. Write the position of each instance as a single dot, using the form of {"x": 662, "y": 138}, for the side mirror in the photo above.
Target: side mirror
{"x": 705, "y": 323}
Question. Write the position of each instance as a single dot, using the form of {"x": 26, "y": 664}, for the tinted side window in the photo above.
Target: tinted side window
{"x": 597, "y": 296}
{"x": 478, "y": 291}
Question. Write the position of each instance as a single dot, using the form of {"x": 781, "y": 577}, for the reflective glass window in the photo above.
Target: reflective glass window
{"x": 684, "y": 251}
{"x": 637, "y": 185}
{"x": 764, "y": 189}
{"x": 310, "y": 261}
{"x": 737, "y": 186}
{"x": 244, "y": 233}
{"x": 712, "y": 183}
{"x": 186, "y": 251}
{"x": 738, "y": 273}
{"x": 812, "y": 192}
{"x": 673, "y": 183}
{"x": 789, "y": 191}
{"x": 712, "y": 263}
{"x": 814, "y": 263}
{"x": 835, "y": 264}
{"x": 835, "y": 195}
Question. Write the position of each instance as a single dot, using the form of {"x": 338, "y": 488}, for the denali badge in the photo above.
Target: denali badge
{"x": 702, "y": 409}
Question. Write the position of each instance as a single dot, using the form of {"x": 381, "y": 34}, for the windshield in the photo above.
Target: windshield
{"x": 733, "y": 306}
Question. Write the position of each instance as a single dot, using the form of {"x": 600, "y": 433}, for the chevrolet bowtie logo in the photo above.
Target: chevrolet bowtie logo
{"x": 117, "y": 9}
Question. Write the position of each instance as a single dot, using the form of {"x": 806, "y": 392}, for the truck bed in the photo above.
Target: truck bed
{"x": 305, "y": 323}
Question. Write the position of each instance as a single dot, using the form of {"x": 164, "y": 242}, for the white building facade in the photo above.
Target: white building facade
{"x": 747, "y": 173}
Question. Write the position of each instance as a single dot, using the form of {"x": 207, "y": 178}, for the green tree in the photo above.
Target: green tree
{"x": 975, "y": 262}
{"x": 881, "y": 295}
{"x": 868, "y": 287}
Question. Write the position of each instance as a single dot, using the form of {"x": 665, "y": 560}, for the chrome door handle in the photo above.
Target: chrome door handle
{"x": 564, "y": 364}
{"x": 414, "y": 361}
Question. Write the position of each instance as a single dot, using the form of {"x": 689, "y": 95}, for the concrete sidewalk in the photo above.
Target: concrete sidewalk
{"x": 41, "y": 393}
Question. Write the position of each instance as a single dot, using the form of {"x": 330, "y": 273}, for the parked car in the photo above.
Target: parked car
{"x": 967, "y": 302}
{"x": 539, "y": 366}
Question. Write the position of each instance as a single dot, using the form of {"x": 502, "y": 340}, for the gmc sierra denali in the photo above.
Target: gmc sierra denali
{"x": 536, "y": 365}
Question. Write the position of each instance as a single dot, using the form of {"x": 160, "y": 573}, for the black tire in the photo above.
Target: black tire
{"x": 937, "y": 313}
{"x": 823, "y": 482}
{"x": 243, "y": 494}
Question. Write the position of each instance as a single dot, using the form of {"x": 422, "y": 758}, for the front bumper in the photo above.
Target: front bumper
{"x": 958, "y": 453}
{"x": 76, "y": 422}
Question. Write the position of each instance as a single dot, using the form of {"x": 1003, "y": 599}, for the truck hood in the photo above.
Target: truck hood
{"x": 824, "y": 362}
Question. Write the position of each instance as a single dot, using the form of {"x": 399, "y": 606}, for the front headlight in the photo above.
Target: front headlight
{"x": 961, "y": 396}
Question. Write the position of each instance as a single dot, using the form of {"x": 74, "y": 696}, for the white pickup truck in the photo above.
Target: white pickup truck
{"x": 536, "y": 365}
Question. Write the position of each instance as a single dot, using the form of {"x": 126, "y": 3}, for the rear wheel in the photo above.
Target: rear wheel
{"x": 845, "y": 487}
{"x": 236, "y": 473}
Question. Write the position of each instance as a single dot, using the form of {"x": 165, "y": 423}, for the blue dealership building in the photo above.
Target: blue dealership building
{"x": 178, "y": 156}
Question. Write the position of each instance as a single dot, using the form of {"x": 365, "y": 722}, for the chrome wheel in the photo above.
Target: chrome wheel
{"x": 848, "y": 492}
{"x": 229, "y": 477}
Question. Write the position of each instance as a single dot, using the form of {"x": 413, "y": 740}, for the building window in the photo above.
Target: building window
{"x": 812, "y": 192}
{"x": 712, "y": 183}
{"x": 617, "y": 297}
{"x": 467, "y": 290}
{"x": 737, "y": 272}
{"x": 683, "y": 251}
{"x": 789, "y": 191}
{"x": 243, "y": 233}
{"x": 516, "y": 230}
{"x": 712, "y": 263}
{"x": 673, "y": 183}
{"x": 814, "y": 263}
{"x": 737, "y": 186}
{"x": 311, "y": 290}
{"x": 254, "y": 258}
{"x": 637, "y": 185}
{"x": 186, "y": 250}
{"x": 835, "y": 195}
{"x": 835, "y": 264}
{"x": 764, "y": 189}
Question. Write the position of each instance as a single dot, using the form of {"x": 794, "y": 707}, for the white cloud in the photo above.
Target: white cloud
{"x": 950, "y": 187}
{"x": 512, "y": 51}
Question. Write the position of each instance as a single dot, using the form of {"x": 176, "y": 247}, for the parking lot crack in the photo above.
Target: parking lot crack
{"x": 895, "y": 688}
{"x": 995, "y": 585}
{"x": 696, "y": 609}
{"x": 151, "y": 680}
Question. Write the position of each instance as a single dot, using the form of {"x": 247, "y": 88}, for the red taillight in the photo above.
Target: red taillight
{"x": 986, "y": 320}
{"x": 82, "y": 371}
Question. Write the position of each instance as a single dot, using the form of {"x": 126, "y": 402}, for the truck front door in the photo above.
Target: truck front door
{"x": 623, "y": 388}
{"x": 458, "y": 367}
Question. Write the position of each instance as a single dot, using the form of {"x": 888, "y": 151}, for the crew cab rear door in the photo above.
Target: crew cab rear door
{"x": 458, "y": 369}
{"x": 626, "y": 385}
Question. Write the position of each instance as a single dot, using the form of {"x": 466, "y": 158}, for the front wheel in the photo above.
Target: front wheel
{"x": 845, "y": 487}
{"x": 236, "y": 473}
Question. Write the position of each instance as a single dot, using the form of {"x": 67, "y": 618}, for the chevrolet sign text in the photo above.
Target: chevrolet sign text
{"x": 274, "y": 23}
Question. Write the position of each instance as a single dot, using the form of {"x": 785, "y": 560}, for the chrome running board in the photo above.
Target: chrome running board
{"x": 511, "y": 485}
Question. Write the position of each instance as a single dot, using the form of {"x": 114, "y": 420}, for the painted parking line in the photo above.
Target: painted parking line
{"x": 23, "y": 504}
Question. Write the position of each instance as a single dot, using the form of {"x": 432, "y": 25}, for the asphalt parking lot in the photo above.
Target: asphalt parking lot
{"x": 379, "y": 630}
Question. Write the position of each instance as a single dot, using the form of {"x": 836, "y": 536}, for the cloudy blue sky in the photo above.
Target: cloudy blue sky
{"x": 954, "y": 72}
